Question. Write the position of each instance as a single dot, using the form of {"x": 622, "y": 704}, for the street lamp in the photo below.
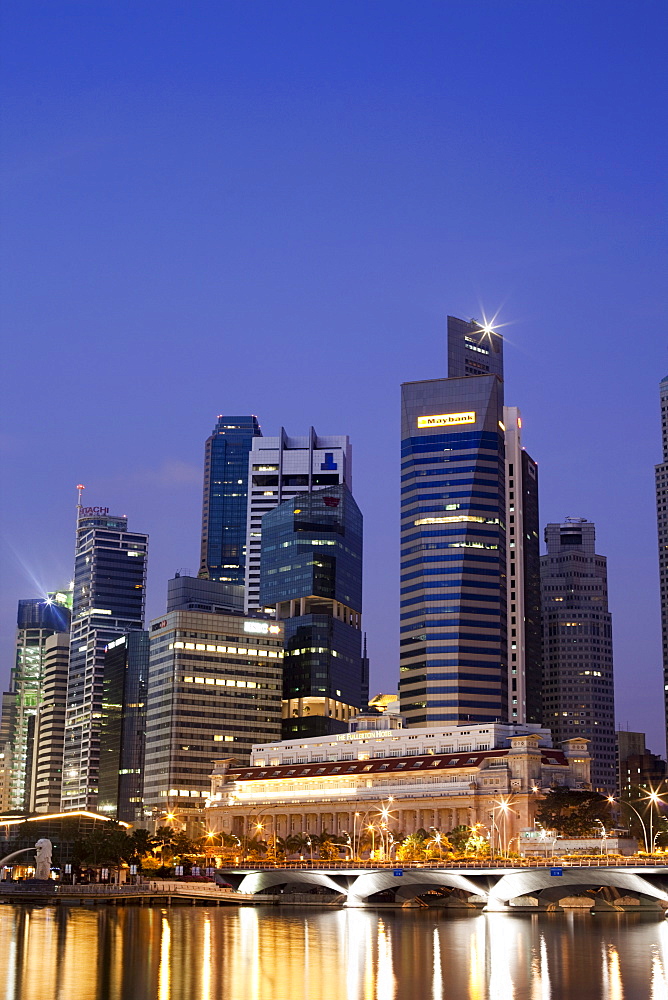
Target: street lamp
{"x": 355, "y": 844}
{"x": 653, "y": 798}
{"x": 624, "y": 802}
{"x": 437, "y": 838}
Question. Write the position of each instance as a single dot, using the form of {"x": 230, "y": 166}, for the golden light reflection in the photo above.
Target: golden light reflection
{"x": 658, "y": 984}
{"x": 540, "y": 973}
{"x": 250, "y": 951}
{"x": 386, "y": 983}
{"x": 611, "y": 973}
{"x": 477, "y": 980}
{"x": 501, "y": 948}
{"x": 353, "y": 950}
{"x": 164, "y": 985}
{"x": 437, "y": 973}
{"x": 206, "y": 959}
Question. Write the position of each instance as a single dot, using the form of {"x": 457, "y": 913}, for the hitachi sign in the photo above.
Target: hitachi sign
{"x": 91, "y": 511}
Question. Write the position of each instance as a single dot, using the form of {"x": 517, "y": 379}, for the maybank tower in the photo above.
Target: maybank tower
{"x": 454, "y": 646}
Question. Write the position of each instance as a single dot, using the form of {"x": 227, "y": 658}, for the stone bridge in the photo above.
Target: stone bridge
{"x": 495, "y": 889}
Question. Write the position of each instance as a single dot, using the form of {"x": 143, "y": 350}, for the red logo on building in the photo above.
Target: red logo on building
{"x": 331, "y": 501}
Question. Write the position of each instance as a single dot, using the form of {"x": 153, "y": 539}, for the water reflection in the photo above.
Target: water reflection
{"x": 193, "y": 953}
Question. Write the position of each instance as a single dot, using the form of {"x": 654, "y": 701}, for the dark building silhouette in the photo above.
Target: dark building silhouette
{"x": 311, "y": 572}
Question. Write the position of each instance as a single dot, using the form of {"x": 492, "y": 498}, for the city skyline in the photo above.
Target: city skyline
{"x": 283, "y": 231}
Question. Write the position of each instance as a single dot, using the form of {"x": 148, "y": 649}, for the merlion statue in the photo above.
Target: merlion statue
{"x": 43, "y": 859}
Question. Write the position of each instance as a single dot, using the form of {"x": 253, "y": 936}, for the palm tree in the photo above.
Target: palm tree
{"x": 164, "y": 837}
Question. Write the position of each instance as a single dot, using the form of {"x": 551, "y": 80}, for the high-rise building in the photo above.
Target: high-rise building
{"x": 661, "y": 478}
{"x": 312, "y": 576}
{"x": 473, "y": 349}
{"x": 109, "y": 595}
{"x": 454, "y": 655}
{"x": 37, "y": 619}
{"x": 214, "y": 686}
{"x": 525, "y": 636}
{"x": 50, "y": 727}
{"x": 578, "y": 689}
{"x": 123, "y": 727}
{"x": 280, "y": 468}
{"x": 225, "y": 506}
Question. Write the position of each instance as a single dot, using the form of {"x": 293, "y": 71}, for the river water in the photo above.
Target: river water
{"x": 267, "y": 953}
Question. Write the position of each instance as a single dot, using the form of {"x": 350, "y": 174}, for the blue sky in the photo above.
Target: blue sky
{"x": 271, "y": 208}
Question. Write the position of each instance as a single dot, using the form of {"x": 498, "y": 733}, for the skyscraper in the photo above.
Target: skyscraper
{"x": 525, "y": 637}
{"x": 123, "y": 727}
{"x": 109, "y": 595}
{"x": 312, "y": 576}
{"x": 50, "y": 727}
{"x": 37, "y": 619}
{"x": 280, "y": 468}
{"x": 473, "y": 349}
{"x": 661, "y": 480}
{"x": 454, "y": 656}
{"x": 224, "y": 509}
{"x": 214, "y": 688}
{"x": 578, "y": 689}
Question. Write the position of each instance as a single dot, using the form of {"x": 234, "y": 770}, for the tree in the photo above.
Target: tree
{"x": 459, "y": 838}
{"x": 142, "y": 844}
{"x": 573, "y": 812}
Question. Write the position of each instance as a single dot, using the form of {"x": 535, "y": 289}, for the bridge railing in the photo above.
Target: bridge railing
{"x": 604, "y": 861}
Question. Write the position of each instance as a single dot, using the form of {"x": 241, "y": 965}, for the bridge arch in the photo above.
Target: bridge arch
{"x": 531, "y": 882}
{"x": 263, "y": 881}
{"x": 413, "y": 882}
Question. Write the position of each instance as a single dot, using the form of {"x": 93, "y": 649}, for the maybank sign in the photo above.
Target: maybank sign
{"x": 446, "y": 419}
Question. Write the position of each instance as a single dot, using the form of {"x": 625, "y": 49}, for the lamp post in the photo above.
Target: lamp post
{"x": 613, "y": 801}
{"x": 653, "y": 798}
{"x": 355, "y": 851}
{"x": 372, "y": 830}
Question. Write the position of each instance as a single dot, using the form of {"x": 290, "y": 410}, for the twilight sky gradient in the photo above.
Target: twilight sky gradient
{"x": 252, "y": 207}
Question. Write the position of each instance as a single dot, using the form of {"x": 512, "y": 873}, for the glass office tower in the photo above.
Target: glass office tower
{"x": 311, "y": 572}
{"x": 123, "y": 727}
{"x": 109, "y": 595}
{"x": 224, "y": 508}
{"x": 37, "y": 620}
{"x": 454, "y": 654}
{"x": 281, "y": 468}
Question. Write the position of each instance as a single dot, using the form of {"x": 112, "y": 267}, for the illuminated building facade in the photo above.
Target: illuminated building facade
{"x": 453, "y": 629}
{"x": 109, "y": 595}
{"x": 214, "y": 684}
{"x": 49, "y": 739}
{"x": 280, "y": 468}
{"x": 37, "y": 619}
{"x": 661, "y": 483}
{"x": 312, "y": 576}
{"x": 225, "y": 504}
{"x": 422, "y": 778}
{"x": 123, "y": 727}
{"x": 578, "y": 686}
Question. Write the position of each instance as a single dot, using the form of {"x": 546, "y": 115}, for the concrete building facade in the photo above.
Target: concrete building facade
{"x": 408, "y": 779}
{"x": 578, "y": 685}
{"x": 214, "y": 685}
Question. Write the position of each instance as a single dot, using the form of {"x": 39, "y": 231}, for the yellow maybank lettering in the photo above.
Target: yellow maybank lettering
{"x": 443, "y": 419}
